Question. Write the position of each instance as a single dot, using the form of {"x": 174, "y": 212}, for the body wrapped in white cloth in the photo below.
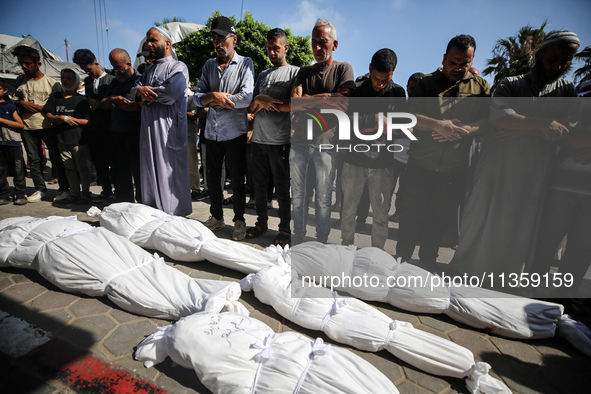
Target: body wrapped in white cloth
{"x": 79, "y": 258}
{"x": 236, "y": 354}
{"x": 497, "y": 313}
{"x": 357, "y": 324}
{"x": 180, "y": 238}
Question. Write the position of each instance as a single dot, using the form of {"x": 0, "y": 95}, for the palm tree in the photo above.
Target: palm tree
{"x": 583, "y": 73}
{"x": 168, "y": 20}
{"x": 515, "y": 55}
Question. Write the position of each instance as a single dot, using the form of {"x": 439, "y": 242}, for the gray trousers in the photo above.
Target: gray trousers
{"x": 75, "y": 159}
{"x": 380, "y": 182}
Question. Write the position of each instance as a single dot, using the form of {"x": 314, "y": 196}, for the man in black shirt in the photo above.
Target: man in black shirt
{"x": 376, "y": 168}
{"x": 95, "y": 88}
{"x": 125, "y": 126}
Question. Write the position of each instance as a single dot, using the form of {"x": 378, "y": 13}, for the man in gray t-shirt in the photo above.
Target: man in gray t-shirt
{"x": 271, "y": 134}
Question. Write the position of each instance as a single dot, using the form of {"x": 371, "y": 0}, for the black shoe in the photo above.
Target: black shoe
{"x": 69, "y": 200}
{"x": 100, "y": 197}
{"x": 5, "y": 200}
{"x": 228, "y": 201}
{"x": 256, "y": 231}
{"x": 283, "y": 239}
{"x": 575, "y": 306}
{"x": 362, "y": 228}
{"x": 21, "y": 201}
{"x": 84, "y": 199}
{"x": 199, "y": 196}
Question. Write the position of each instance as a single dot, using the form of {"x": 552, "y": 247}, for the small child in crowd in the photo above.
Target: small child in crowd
{"x": 11, "y": 151}
{"x": 69, "y": 112}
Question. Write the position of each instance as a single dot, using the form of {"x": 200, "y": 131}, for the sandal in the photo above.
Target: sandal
{"x": 228, "y": 201}
{"x": 251, "y": 204}
{"x": 283, "y": 238}
{"x": 52, "y": 182}
{"x": 256, "y": 231}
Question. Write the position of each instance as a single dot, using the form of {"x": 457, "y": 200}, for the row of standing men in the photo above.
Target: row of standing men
{"x": 434, "y": 180}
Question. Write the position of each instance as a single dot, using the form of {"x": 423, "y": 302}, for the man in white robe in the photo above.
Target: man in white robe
{"x": 164, "y": 166}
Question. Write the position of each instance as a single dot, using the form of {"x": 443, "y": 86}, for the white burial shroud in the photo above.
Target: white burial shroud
{"x": 494, "y": 312}
{"x": 497, "y": 313}
{"x": 180, "y": 238}
{"x": 357, "y": 324}
{"x": 79, "y": 258}
{"x": 236, "y": 354}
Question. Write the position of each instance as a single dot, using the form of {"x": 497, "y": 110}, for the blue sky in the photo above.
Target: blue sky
{"x": 418, "y": 31}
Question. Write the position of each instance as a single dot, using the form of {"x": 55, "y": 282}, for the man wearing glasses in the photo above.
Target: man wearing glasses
{"x": 226, "y": 88}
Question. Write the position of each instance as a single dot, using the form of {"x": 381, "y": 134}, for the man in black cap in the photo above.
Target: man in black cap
{"x": 226, "y": 87}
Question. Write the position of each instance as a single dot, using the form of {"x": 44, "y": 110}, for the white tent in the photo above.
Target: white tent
{"x": 51, "y": 64}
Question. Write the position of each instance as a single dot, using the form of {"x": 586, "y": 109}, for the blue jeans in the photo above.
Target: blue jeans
{"x": 300, "y": 158}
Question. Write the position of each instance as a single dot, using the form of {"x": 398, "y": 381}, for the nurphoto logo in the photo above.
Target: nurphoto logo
{"x": 389, "y": 122}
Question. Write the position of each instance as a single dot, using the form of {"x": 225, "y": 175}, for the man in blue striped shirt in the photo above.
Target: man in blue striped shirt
{"x": 226, "y": 88}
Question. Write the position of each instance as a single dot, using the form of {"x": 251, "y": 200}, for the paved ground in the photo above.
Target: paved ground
{"x": 94, "y": 334}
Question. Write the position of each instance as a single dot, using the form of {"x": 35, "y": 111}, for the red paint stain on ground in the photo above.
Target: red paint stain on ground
{"x": 84, "y": 373}
{"x": 90, "y": 374}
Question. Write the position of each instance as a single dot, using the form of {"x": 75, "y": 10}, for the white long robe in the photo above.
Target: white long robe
{"x": 164, "y": 161}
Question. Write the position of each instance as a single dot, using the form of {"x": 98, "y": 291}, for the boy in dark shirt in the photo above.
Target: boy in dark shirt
{"x": 11, "y": 153}
{"x": 70, "y": 114}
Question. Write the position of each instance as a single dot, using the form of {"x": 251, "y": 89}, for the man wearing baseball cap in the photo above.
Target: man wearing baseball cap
{"x": 226, "y": 88}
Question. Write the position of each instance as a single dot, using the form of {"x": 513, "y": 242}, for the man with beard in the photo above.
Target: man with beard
{"x": 164, "y": 158}
{"x": 434, "y": 181}
{"x": 270, "y": 138}
{"x": 95, "y": 87}
{"x": 327, "y": 78}
{"x": 502, "y": 215}
{"x": 125, "y": 125}
{"x": 225, "y": 88}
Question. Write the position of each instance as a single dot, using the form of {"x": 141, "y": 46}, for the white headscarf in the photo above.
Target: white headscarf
{"x": 561, "y": 37}
{"x": 164, "y": 32}
{"x": 76, "y": 80}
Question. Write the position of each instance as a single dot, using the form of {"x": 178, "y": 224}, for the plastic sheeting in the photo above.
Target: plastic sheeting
{"x": 51, "y": 64}
{"x": 233, "y": 353}
{"x": 357, "y": 324}
{"x": 79, "y": 258}
{"x": 180, "y": 238}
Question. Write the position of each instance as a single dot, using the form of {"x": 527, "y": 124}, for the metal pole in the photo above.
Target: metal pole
{"x": 67, "y": 54}
{"x": 2, "y": 48}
